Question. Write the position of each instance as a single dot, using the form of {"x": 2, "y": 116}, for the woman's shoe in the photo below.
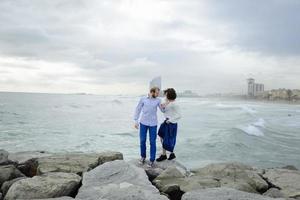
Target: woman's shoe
{"x": 172, "y": 156}
{"x": 161, "y": 158}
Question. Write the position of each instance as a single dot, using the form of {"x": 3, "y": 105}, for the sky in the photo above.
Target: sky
{"x": 118, "y": 46}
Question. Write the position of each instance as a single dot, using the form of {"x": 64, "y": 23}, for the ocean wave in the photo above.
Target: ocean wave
{"x": 245, "y": 108}
{"x": 252, "y": 130}
{"x": 260, "y": 123}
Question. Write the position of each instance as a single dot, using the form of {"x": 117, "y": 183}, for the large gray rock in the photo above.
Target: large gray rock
{"x": 3, "y": 157}
{"x": 9, "y": 172}
{"x": 59, "y": 198}
{"x": 159, "y": 167}
{"x": 232, "y": 175}
{"x": 287, "y": 180}
{"x": 23, "y": 157}
{"x": 117, "y": 180}
{"x": 46, "y": 186}
{"x": 7, "y": 184}
{"x": 274, "y": 193}
{"x": 27, "y": 161}
{"x": 74, "y": 162}
{"x": 223, "y": 194}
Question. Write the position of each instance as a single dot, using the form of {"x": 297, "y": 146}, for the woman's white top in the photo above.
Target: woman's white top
{"x": 172, "y": 112}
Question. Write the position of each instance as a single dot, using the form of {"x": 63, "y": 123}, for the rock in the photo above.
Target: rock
{"x": 7, "y": 184}
{"x": 290, "y": 167}
{"x": 170, "y": 182}
{"x": 160, "y": 167}
{"x": 27, "y": 161}
{"x": 9, "y": 172}
{"x": 23, "y": 157}
{"x": 3, "y": 157}
{"x": 222, "y": 194}
{"x": 48, "y": 185}
{"x": 287, "y": 180}
{"x": 1, "y": 197}
{"x": 274, "y": 193}
{"x": 59, "y": 198}
{"x": 235, "y": 175}
{"x": 117, "y": 180}
{"x": 232, "y": 175}
{"x": 74, "y": 162}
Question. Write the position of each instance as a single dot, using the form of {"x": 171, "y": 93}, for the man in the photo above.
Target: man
{"x": 146, "y": 119}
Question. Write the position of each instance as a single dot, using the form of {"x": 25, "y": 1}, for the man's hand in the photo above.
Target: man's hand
{"x": 136, "y": 126}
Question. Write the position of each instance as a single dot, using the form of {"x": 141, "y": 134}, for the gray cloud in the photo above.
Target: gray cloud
{"x": 202, "y": 45}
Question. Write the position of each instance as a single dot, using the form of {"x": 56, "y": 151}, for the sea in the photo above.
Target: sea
{"x": 261, "y": 134}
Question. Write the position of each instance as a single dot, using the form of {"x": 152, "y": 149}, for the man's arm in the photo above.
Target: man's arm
{"x": 138, "y": 111}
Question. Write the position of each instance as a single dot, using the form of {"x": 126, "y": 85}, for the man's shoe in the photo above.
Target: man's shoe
{"x": 161, "y": 158}
{"x": 150, "y": 164}
{"x": 172, "y": 156}
{"x": 142, "y": 161}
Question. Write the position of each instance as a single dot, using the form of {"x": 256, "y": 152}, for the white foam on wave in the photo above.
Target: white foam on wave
{"x": 245, "y": 108}
{"x": 260, "y": 123}
{"x": 252, "y": 130}
{"x": 248, "y": 109}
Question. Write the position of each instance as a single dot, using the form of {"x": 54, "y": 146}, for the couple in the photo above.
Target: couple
{"x": 146, "y": 119}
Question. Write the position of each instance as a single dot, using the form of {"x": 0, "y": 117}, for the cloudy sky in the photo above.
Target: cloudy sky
{"x": 117, "y": 46}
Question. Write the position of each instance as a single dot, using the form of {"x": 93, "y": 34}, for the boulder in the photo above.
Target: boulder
{"x": 9, "y": 172}
{"x": 223, "y": 194}
{"x": 274, "y": 193}
{"x": 27, "y": 161}
{"x": 234, "y": 175}
{"x": 3, "y": 157}
{"x": 7, "y": 184}
{"x": 59, "y": 198}
{"x": 287, "y": 180}
{"x": 48, "y": 185}
{"x": 1, "y": 197}
{"x": 159, "y": 167}
{"x": 74, "y": 162}
{"x": 23, "y": 157}
{"x": 117, "y": 180}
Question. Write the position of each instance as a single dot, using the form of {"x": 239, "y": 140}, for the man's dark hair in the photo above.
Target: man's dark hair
{"x": 170, "y": 93}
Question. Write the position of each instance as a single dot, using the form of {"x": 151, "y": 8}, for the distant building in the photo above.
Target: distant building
{"x": 254, "y": 88}
{"x": 155, "y": 82}
{"x": 188, "y": 93}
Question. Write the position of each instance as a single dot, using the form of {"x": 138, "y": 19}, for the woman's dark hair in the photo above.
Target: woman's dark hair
{"x": 170, "y": 93}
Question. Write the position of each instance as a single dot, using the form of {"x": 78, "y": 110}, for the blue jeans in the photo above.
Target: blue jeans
{"x": 143, "y": 138}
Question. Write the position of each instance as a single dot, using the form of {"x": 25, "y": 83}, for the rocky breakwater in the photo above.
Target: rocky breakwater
{"x": 42, "y": 175}
{"x": 106, "y": 176}
{"x": 229, "y": 181}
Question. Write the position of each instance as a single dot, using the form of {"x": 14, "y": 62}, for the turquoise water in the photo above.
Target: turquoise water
{"x": 211, "y": 130}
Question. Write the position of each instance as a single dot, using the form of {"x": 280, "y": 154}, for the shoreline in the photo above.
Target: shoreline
{"x": 44, "y": 175}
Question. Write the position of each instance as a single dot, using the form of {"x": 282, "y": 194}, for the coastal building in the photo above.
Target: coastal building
{"x": 254, "y": 89}
{"x": 188, "y": 93}
{"x": 155, "y": 82}
{"x": 281, "y": 94}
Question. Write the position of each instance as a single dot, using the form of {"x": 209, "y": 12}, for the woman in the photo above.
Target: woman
{"x": 168, "y": 130}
